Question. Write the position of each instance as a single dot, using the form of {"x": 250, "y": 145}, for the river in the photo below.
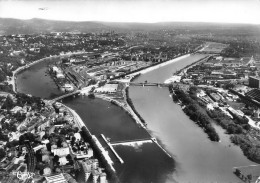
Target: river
{"x": 195, "y": 157}
{"x": 37, "y": 82}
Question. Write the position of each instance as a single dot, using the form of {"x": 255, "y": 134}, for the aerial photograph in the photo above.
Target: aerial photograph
{"x": 129, "y": 91}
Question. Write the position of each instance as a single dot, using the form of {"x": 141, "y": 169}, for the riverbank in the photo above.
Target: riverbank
{"x": 195, "y": 112}
{"x": 77, "y": 119}
{"x": 130, "y": 109}
{"x": 160, "y": 65}
{"x": 100, "y": 151}
{"x": 12, "y": 81}
{"x": 172, "y": 78}
{"x": 125, "y": 107}
{"x": 150, "y": 68}
{"x": 194, "y": 154}
{"x": 20, "y": 69}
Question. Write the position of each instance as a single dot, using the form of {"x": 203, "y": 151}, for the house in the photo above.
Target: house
{"x": 38, "y": 147}
{"x": 17, "y": 109}
{"x": 47, "y": 171}
{"x": 63, "y": 160}
{"x": 61, "y": 151}
{"x": 77, "y": 136}
{"x": 90, "y": 167}
{"x": 60, "y": 75}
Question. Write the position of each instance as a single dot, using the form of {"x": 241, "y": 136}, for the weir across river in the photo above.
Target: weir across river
{"x": 131, "y": 142}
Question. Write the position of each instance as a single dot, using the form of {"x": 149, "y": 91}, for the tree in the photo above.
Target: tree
{"x": 21, "y": 139}
{"x": 30, "y": 136}
{"x": 3, "y": 137}
{"x": 73, "y": 140}
{"x": 68, "y": 157}
{"x": 2, "y": 153}
{"x": 12, "y": 143}
{"x": 76, "y": 129}
{"x": 56, "y": 159}
{"x": 246, "y": 127}
{"x": 27, "y": 136}
{"x": 19, "y": 117}
{"x": 8, "y": 104}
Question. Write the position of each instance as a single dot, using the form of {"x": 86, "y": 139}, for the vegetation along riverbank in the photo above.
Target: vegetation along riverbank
{"x": 194, "y": 111}
{"x": 236, "y": 126}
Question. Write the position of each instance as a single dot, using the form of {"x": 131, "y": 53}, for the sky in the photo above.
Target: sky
{"x": 150, "y": 11}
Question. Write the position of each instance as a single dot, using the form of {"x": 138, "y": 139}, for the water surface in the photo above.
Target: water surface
{"x": 197, "y": 158}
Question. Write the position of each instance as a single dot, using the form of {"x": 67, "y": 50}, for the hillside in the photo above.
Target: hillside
{"x": 32, "y": 26}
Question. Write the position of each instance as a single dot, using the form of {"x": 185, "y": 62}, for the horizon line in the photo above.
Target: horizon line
{"x": 135, "y": 22}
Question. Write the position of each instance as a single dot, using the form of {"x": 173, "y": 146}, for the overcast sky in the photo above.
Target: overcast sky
{"x": 233, "y": 11}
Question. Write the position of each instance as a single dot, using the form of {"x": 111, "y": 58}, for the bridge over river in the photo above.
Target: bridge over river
{"x": 127, "y": 83}
{"x": 64, "y": 96}
{"x": 147, "y": 84}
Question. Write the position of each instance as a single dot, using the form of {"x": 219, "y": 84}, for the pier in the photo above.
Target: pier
{"x": 123, "y": 142}
{"x": 112, "y": 149}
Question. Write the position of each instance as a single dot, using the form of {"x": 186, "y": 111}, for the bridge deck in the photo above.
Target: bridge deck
{"x": 148, "y": 84}
{"x": 65, "y": 95}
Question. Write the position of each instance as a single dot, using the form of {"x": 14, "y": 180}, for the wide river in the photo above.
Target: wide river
{"x": 195, "y": 158}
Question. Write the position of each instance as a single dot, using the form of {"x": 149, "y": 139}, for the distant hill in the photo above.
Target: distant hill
{"x": 15, "y": 26}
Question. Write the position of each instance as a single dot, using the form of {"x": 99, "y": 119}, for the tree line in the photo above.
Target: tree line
{"x": 192, "y": 109}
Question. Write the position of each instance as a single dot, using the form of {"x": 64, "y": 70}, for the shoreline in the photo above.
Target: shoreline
{"x": 79, "y": 122}
{"x": 126, "y": 108}
{"x": 169, "y": 80}
{"x": 154, "y": 67}
{"x": 22, "y": 68}
{"x": 13, "y": 79}
{"x": 136, "y": 118}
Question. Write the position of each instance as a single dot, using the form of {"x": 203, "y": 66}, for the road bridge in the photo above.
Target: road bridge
{"x": 147, "y": 84}
{"x": 64, "y": 96}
